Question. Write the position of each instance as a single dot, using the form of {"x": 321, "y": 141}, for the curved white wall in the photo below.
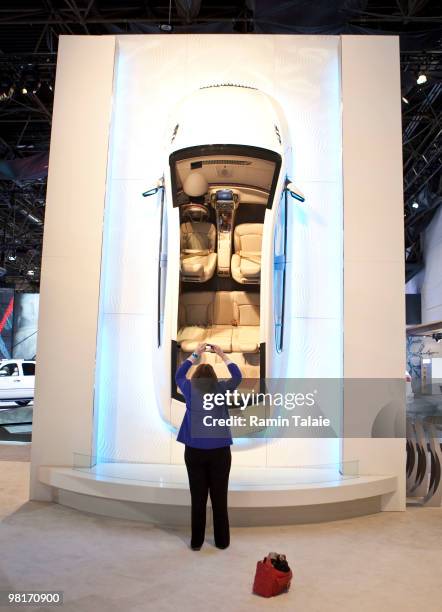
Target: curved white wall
{"x": 152, "y": 73}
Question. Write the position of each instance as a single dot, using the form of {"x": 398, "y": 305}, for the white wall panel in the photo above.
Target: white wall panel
{"x": 374, "y": 303}
{"x": 308, "y": 84}
{"x": 79, "y": 147}
{"x": 130, "y": 249}
{"x": 129, "y": 425}
{"x": 62, "y": 421}
{"x": 314, "y": 252}
{"x": 374, "y": 295}
{"x": 315, "y": 347}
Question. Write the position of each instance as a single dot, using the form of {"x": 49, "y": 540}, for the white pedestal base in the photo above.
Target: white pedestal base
{"x": 257, "y": 496}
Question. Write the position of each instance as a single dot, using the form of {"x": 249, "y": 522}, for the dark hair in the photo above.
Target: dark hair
{"x": 205, "y": 379}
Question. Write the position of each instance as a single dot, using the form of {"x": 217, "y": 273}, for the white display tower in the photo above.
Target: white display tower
{"x": 94, "y": 368}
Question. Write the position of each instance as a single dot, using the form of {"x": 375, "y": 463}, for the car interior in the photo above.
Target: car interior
{"x": 222, "y": 202}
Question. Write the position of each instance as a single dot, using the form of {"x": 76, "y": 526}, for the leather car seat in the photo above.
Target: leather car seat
{"x": 198, "y": 257}
{"x": 246, "y": 261}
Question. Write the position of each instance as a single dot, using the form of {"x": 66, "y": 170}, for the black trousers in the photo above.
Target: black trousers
{"x": 208, "y": 472}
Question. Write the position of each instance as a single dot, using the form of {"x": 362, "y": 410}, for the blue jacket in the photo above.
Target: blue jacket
{"x": 195, "y": 411}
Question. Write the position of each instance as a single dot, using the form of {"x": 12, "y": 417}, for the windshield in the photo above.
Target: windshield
{"x": 198, "y": 171}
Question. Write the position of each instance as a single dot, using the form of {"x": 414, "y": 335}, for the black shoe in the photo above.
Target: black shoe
{"x": 195, "y": 547}
{"x": 222, "y": 546}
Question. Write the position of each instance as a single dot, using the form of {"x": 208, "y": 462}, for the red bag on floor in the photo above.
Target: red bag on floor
{"x": 269, "y": 581}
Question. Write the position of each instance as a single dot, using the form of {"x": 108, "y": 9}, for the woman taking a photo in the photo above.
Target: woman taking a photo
{"x": 208, "y": 458}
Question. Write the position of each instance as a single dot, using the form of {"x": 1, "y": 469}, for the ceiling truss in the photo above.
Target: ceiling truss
{"x": 28, "y": 46}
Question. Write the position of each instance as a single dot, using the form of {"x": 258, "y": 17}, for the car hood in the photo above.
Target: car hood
{"x": 228, "y": 114}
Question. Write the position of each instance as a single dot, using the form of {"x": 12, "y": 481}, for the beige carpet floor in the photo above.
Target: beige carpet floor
{"x": 384, "y": 562}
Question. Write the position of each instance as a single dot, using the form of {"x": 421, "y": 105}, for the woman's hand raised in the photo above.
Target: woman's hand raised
{"x": 200, "y": 349}
{"x": 218, "y": 350}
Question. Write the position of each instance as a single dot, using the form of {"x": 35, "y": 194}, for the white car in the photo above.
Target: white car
{"x": 222, "y": 248}
{"x": 17, "y": 380}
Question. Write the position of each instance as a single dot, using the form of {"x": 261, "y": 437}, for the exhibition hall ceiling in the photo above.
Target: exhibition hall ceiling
{"x": 29, "y": 33}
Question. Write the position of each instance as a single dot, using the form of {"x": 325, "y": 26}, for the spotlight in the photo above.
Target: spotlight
{"x": 404, "y": 99}
{"x": 35, "y": 219}
{"x": 437, "y": 337}
{"x": 30, "y": 272}
{"x": 415, "y": 205}
{"x": 24, "y": 90}
{"x": 6, "y": 87}
{"x": 30, "y": 216}
{"x": 12, "y": 257}
{"x": 421, "y": 79}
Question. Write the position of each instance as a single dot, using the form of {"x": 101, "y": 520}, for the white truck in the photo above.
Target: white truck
{"x": 17, "y": 380}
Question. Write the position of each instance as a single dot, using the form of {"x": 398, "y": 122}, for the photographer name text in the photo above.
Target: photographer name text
{"x": 254, "y": 421}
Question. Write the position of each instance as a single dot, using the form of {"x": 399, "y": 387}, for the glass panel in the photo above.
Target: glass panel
{"x": 164, "y": 475}
{"x": 10, "y": 369}
{"x": 231, "y": 166}
{"x": 29, "y": 369}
